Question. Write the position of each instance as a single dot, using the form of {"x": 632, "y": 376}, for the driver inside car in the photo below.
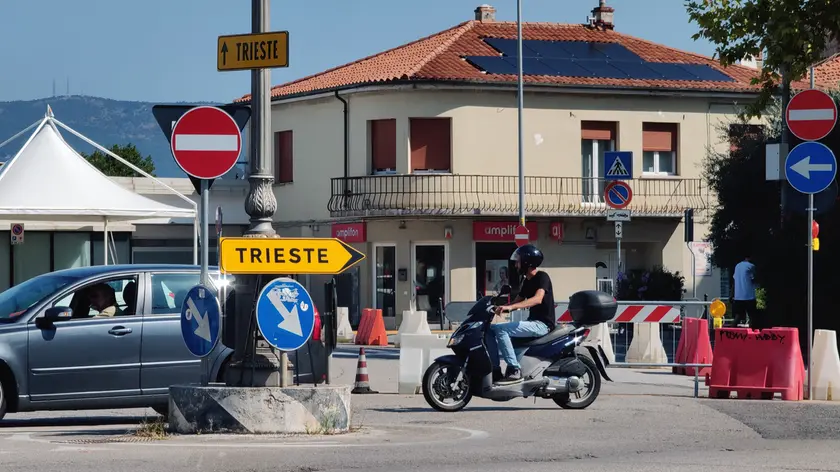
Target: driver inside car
{"x": 104, "y": 300}
{"x": 537, "y": 295}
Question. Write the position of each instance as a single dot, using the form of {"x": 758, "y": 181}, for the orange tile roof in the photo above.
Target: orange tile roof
{"x": 827, "y": 72}
{"x": 439, "y": 58}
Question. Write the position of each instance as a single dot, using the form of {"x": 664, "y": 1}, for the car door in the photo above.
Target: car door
{"x": 87, "y": 357}
{"x": 164, "y": 357}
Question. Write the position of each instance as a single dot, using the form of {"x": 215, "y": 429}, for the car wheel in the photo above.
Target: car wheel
{"x": 3, "y": 404}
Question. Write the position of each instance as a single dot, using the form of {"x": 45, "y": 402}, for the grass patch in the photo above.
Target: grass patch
{"x": 155, "y": 428}
{"x": 327, "y": 424}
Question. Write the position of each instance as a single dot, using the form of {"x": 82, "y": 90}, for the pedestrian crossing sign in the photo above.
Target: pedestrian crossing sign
{"x": 618, "y": 165}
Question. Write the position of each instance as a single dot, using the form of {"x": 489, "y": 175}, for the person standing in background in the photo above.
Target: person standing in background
{"x": 743, "y": 302}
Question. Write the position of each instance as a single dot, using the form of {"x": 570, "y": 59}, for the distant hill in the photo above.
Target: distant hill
{"x": 106, "y": 122}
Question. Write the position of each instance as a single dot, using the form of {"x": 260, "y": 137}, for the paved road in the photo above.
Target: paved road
{"x": 647, "y": 421}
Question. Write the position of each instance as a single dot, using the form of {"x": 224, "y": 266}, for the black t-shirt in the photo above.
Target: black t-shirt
{"x": 544, "y": 311}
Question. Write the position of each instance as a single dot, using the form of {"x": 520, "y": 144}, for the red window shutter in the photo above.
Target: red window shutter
{"x": 659, "y": 137}
{"x": 284, "y": 157}
{"x": 431, "y": 144}
{"x": 598, "y": 130}
{"x": 383, "y": 145}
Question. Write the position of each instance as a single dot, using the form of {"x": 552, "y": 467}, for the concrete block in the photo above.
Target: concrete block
{"x": 646, "y": 346}
{"x": 259, "y": 410}
{"x": 344, "y": 329}
{"x": 413, "y": 322}
{"x": 826, "y": 366}
{"x": 600, "y": 336}
{"x": 417, "y": 352}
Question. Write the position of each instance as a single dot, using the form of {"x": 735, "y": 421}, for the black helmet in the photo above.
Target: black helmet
{"x": 529, "y": 257}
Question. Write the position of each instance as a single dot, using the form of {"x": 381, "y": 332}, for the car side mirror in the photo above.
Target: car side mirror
{"x": 51, "y": 315}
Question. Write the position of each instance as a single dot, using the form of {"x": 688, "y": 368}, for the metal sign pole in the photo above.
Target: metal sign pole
{"x": 520, "y": 100}
{"x": 205, "y": 276}
{"x": 810, "y": 281}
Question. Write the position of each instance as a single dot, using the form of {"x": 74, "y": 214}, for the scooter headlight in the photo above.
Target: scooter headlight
{"x": 455, "y": 340}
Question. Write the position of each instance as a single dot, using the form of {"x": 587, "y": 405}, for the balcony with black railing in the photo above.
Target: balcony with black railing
{"x": 464, "y": 195}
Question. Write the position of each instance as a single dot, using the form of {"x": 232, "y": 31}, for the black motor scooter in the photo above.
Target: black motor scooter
{"x": 559, "y": 365}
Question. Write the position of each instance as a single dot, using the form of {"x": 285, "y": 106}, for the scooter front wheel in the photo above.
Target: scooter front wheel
{"x": 440, "y": 383}
{"x": 592, "y": 387}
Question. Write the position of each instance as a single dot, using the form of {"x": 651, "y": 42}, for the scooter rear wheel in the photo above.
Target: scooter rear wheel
{"x": 437, "y": 387}
{"x": 581, "y": 400}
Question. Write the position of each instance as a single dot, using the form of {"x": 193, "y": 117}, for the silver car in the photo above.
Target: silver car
{"x": 52, "y": 361}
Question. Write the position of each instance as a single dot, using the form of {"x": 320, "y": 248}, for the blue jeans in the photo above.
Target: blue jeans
{"x": 499, "y": 339}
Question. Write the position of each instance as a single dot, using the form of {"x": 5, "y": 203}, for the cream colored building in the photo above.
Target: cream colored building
{"x": 411, "y": 155}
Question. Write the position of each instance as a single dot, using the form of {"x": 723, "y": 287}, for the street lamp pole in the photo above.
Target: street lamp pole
{"x": 520, "y": 101}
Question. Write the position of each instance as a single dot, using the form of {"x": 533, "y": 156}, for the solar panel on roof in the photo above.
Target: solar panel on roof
{"x": 617, "y": 52}
{"x": 637, "y": 70}
{"x": 492, "y": 64}
{"x": 530, "y": 66}
{"x": 602, "y": 69}
{"x": 508, "y": 47}
{"x": 583, "y": 50}
{"x": 671, "y": 71}
{"x": 548, "y": 49}
{"x": 566, "y": 67}
{"x": 704, "y": 72}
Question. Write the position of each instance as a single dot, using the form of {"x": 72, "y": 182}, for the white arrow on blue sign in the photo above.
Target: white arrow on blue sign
{"x": 810, "y": 167}
{"x": 200, "y": 320}
{"x": 285, "y": 314}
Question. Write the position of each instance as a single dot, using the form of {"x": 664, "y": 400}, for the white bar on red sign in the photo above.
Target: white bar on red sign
{"x": 522, "y": 236}
{"x": 811, "y": 115}
{"x": 631, "y": 314}
{"x": 206, "y": 142}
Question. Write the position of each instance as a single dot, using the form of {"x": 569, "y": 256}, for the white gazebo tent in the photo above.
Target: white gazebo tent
{"x": 47, "y": 180}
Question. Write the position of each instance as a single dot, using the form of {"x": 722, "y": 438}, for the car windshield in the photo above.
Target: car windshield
{"x": 18, "y": 299}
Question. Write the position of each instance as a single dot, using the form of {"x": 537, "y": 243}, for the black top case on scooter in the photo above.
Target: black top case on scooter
{"x": 591, "y": 307}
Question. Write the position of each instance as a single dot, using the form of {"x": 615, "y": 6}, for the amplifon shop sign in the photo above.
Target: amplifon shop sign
{"x": 350, "y": 232}
{"x": 501, "y": 231}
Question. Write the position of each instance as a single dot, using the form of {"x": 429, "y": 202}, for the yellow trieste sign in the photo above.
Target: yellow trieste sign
{"x": 253, "y": 51}
{"x": 286, "y": 256}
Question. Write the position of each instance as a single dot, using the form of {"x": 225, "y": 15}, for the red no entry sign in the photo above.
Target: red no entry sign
{"x": 811, "y": 115}
{"x": 206, "y": 142}
{"x": 521, "y": 236}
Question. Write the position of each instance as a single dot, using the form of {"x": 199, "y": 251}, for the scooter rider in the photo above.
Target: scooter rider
{"x": 537, "y": 295}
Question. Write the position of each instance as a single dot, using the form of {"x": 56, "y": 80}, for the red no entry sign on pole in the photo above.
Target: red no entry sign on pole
{"x": 811, "y": 115}
{"x": 521, "y": 236}
{"x": 206, "y": 142}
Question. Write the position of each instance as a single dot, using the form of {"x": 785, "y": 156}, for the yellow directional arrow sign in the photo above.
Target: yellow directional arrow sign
{"x": 286, "y": 256}
{"x": 253, "y": 51}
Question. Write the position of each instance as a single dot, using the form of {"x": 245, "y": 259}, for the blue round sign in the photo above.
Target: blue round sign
{"x": 285, "y": 314}
{"x": 810, "y": 167}
{"x": 200, "y": 320}
{"x": 618, "y": 194}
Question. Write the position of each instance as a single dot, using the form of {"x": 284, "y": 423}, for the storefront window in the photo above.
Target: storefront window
{"x": 5, "y": 260}
{"x": 71, "y": 250}
{"x": 430, "y": 278}
{"x": 494, "y": 268}
{"x": 384, "y": 285}
{"x": 32, "y": 258}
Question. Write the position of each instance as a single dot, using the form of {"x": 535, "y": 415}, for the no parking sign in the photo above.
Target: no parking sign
{"x": 17, "y": 233}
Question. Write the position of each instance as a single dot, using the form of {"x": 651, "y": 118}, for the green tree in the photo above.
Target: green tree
{"x": 792, "y": 34}
{"x": 114, "y": 168}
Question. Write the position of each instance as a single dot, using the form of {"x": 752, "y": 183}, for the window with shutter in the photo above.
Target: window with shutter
{"x": 431, "y": 144}
{"x": 659, "y": 148}
{"x": 383, "y": 146}
{"x": 283, "y": 157}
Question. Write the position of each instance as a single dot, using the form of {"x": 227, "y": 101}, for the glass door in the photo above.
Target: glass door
{"x": 384, "y": 278}
{"x": 592, "y": 156}
{"x": 430, "y": 269}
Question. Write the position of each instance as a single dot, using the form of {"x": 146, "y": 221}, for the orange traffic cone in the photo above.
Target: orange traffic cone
{"x": 362, "y": 381}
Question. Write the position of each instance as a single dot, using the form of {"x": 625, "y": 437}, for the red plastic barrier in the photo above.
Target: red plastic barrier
{"x": 371, "y": 330}
{"x": 757, "y": 364}
{"x": 695, "y": 347}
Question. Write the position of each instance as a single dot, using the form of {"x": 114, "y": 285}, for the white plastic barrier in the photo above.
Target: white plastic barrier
{"x": 413, "y": 322}
{"x": 600, "y": 336}
{"x": 417, "y": 352}
{"x": 646, "y": 346}
{"x": 344, "y": 332}
{"x": 826, "y": 366}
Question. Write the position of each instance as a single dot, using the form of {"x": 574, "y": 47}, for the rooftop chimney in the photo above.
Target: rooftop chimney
{"x": 485, "y": 14}
{"x": 602, "y": 16}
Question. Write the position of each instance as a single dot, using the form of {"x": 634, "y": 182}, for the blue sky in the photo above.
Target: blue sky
{"x": 164, "y": 50}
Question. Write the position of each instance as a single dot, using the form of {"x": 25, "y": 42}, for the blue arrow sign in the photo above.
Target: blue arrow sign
{"x": 618, "y": 165}
{"x": 200, "y": 320}
{"x": 810, "y": 167}
{"x": 285, "y": 314}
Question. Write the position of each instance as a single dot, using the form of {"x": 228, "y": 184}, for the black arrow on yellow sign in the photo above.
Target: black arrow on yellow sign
{"x": 325, "y": 256}
{"x": 224, "y": 53}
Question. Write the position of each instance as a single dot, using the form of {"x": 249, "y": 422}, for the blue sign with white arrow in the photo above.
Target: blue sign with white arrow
{"x": 285, "y": 314}
{"x": 618, "y": 165}
{"x": 200, "y": 320}
{"x": 810, "y": 167}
